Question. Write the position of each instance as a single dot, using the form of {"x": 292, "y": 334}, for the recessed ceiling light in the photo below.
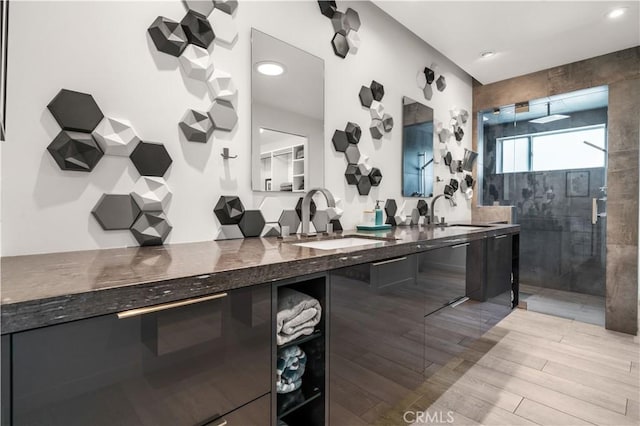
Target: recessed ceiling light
{"x": 487, "y": 54}
{"x": 617, "y": 12}
{"x": 270, "y": 68}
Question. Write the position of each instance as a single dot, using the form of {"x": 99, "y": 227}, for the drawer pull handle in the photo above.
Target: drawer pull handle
{"x": 384, "y": 262}
{"x": 149, "y": 309}
{"x": 460, "y": 245}
{"x": 497, "y": 237}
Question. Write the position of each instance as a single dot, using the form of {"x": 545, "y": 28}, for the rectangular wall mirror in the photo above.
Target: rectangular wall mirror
{"x": 417, "y": 149}
{"x": 287, "y": 116}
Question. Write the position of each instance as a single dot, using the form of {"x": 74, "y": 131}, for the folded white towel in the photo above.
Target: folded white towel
{"x": 298, "y": 314}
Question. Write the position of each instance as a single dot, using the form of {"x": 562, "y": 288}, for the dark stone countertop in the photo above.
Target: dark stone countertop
{"x": 46, "y": 289}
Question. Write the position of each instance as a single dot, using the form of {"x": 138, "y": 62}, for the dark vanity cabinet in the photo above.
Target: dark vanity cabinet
{"x": 206, "y": 362}
{"x": 307, "y": 405}
{"x": 376, "y": 339}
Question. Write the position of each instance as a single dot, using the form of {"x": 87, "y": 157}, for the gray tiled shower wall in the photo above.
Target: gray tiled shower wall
{"x": 560, "y": 247}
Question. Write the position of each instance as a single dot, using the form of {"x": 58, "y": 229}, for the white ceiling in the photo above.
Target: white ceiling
{"x": 527, "y": 36}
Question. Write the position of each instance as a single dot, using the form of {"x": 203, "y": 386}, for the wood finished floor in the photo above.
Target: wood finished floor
{"x": 533, "y": 369}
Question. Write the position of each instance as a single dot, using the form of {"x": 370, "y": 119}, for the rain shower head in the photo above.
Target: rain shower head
{"x": 548, "y": 118}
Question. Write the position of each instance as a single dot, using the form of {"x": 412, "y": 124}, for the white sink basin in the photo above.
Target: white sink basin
{"x": 338, "y": 243}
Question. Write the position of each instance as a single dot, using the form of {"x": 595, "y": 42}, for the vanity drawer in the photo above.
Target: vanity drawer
{"x": 256, "y": 413}
{"x": 394, "y": 271}
{"x": 182, "y": 365}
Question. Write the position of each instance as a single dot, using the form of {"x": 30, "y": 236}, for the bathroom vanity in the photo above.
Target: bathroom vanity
{"x": 185, "y": 333}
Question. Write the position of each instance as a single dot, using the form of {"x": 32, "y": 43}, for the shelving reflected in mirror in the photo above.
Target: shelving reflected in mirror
{"x": 287, "y": 116}
{"x": 417, "y": 149}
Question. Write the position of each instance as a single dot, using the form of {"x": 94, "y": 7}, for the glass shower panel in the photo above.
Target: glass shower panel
{"x": 547, "y": 157}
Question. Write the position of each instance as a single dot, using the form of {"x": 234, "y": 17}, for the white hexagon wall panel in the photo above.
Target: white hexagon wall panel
{"x": 196, "y": 126}
{"x": 151, "y": 193}
{"x": 203, "y": 7}
{"x": 224, "y": 27}
{"x": 223, "y": 115}
{"x": 376, "y": 110}
{"x": 116, "y": 137}
{"x": 353, "y": 40}
{"x": 196, "y": 62}
{"x": 271, "y": 209}
{"x": 229, "y": 232}
{"x": 221, "y": 85}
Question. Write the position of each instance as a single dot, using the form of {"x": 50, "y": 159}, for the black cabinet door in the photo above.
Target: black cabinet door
{"x": 499, "y": 294}
{"x": 180, "y": 366}
{"x": 376, "y": 345}
{"x": 5, "y": 377}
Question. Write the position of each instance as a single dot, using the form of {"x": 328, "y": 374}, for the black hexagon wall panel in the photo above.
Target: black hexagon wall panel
{"x": 312, "y": 209}
{"x": 75, "y": 111}
{"x": 340, "y": 141}
{"x": 291, "y": 219}
{"x": 352, "y": 174}
{"x": 251, "y": 223}
{"x": 364, "y": 186}
{"x": 353, "y": 132}
{"x": 340, "y": 44}
{"x": 229, "y": 210}
{"x": 328, "y": 8}
{"x": 429, "y": 75}
{"x": 366, "y": 96}
{"x": 377, "y": 90}
{"x": 375, "y": 176}
{"x": 337, "y": 226}
{"x": 423, "y": 207}
{"x": 390, "y": 209}
{"x": 151, "y": 159}
{"x": 151, "y": 228}
{"x": 75, "y": 151}
{"x": 116, "y": 211}
{"x": 197, "y": 29}
{"x": 168, "y": 36}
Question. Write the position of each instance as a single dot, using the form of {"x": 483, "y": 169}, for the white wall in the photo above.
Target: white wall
{"x": 102, "y": 48}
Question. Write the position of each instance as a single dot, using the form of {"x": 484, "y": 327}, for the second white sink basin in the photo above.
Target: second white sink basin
{"x": 338, "y": 243}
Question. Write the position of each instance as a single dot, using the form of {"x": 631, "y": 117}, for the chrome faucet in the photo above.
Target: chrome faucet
{"x": 432, "y": 214}
{"x": 306, "y": 207}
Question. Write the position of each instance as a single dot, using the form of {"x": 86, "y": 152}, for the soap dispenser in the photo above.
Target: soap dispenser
{"x": 378, "y": 211}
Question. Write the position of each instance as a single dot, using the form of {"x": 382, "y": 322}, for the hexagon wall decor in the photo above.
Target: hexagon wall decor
{"x": 387, "y": 122}
{"x": 453, "y": 183}
{"x": 168, "y": 36}
{"x": 376, "y": 110}
{"x": 352, "y": 174}
{"x": 229, "y": 210}
{"x": 151, "y": 159}
{"x": 423, "y": 207}
{"x": 116, "y": 137}
{"x": 270, "y": 230}
{"x": 151, "y": 228}
{"x": 227, "y": 6}
{"x": 340, "y": 140}
{"x": 441, "y": 83}
{"x": 353, "y": 132}
{"x": 221, "y": 86}
{"x": 334, "y": 213}
{"x": 415, "y": 217}
{"x": 378, "y": 90}
{"x": 353, "y": 40}
{"x": 196, "y": 126}
{"x": 225, "y": 27}
{"x": 291, "y": 219}
{"x": 353, "y": 19}
{"x": 375, "y": 176}
{"x": 197, "y": 29}
{"x": 196, "y": 62}
{"x": 203, "y": 7}
{"x": 428, "y": 92}
{"x": 320, "y": 221}
{"x": 312, "y": 209}
{"x": 352, "y": 153}
{"x": 75, "y": 111}
{"x": 229, "y": 232}
{"x": 251, "y": 223}
{"x": 328, "y": 8}
{"x": 337, "y": 226}
{"x": 366, "y": 96}
{"x": 223, "y": 115}
{"x": 340, "y": 24}
{"x": 364, "y": 186}
{"x": 390, "y": 207}
{"x": 116, "y": 211}
{"x": 151, "y": 193}
{"x": 75, "y": 151}
{"x": 271, "y": 208}
{"x": 340, "y": 44}
{"x": 376, "y": 129}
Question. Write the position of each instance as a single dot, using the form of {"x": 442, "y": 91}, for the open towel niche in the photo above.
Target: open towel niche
{"x": 308, "y": 404}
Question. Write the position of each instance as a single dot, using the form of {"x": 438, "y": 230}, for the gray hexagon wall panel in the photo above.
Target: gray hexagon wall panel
{"x": 151, "y": 228}
{"x": 227, "y": 6}
{"x": 270, "y": 230}
{"x": 251, "y": 223}
{"x": 197, "y": 29}
{"x": 196, "y": 62}
{"x": 353, "y": 132}
{"x": 289, "y": 218}
{"x": 223, "y": 115}
{"x": 225, "y": 27}
{"x": 221, "y": 86}
{"x": 441, "y": 83}
{"x": 366, "y": 96}
{"x": 196, "y": 126}
{"x": 364, "y": 186}
{"x": 168, "y": 36}
{"x": 378, "y": 90}
{"x": 375, "y": 176}
{"x": 116, "y": 137}
{"x": 75, "y": 151}
{"x": 229, "y": 210}
{"x": 321, "y": 220}
{"x": 151, "y": 159}
{"x": 116, "y": 211}
{"x": 352, "y": 174}
{"x": 328, "y": 8}
{"x": 75, "y": 111}
{"x": 203, "y": 7}
{"x": 340, "y": 141}
{"x": 390, "y": 207}
{"x": 340, "y": 24}
{"x": 352, "y": 153}
{"x": 387, "y": 123}
{"x": 376, "y": 129}
{"x": 151, "y": 193}
{"x": 352, "y": 19}
{"x": 428, "y": 92}
{"x": 340, "y": 44}
{"x": 423, "y": 207}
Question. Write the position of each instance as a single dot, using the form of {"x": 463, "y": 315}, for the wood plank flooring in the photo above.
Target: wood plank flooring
{"x": 533, "y": 369}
